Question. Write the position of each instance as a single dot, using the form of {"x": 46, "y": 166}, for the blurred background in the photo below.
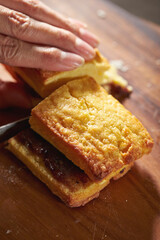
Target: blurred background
{"x": 148, "y": 9}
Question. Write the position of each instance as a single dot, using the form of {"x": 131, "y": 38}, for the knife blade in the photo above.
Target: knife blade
{"x": 9, "y": 130}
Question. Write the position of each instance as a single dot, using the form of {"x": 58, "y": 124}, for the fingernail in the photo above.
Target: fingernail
{"x": 71, "y": 60}
{"x": 89, "y": 37}
{"x": 84, "y": 49}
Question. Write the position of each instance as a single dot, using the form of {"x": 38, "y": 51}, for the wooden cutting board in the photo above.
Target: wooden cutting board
{"x": 128, "y": 209}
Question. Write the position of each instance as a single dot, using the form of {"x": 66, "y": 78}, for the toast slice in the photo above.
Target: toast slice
{"x": 61, "y": 176}
{"x": 91, "y": 128}
{"x": 45, "y": 82}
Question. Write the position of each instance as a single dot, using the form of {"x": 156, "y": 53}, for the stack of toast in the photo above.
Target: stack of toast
{"x": 80, "y": 137}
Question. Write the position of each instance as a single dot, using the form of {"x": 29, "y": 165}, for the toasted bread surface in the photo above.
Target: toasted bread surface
{"x": 91, "y": 128}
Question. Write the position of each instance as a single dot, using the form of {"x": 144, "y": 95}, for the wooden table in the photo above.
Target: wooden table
{"x": 128, "y": 208}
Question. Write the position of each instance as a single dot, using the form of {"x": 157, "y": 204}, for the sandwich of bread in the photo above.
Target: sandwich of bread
{"x": 81, "y": 138}
{"x": 62, "y": 177}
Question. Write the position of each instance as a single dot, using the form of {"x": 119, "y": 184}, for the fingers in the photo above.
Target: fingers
{"x": 19, "y": 53}
{"x": 41, "y": 12}
{"x": 25, "y": 28}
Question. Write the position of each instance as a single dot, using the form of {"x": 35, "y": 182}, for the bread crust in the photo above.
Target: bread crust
{"x": 91, "y": 128}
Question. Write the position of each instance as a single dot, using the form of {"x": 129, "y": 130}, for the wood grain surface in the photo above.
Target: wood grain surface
{"x": 128, "y": 209}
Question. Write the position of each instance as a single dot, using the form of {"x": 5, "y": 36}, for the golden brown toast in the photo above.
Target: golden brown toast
{"x": 62, "y": 177}
{"x": 91, "y": 128}
{"x": 45, "y": 82}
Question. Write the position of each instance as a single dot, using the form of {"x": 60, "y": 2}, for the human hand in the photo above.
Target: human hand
{"x": 32, "y": 35}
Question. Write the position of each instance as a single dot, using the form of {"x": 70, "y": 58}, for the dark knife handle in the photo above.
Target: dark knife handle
{"x": 9, "y": 130}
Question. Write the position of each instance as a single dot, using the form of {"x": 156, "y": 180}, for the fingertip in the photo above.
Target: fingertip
{"x": 84, "y": 49}
{"x": 70, "y": 61}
